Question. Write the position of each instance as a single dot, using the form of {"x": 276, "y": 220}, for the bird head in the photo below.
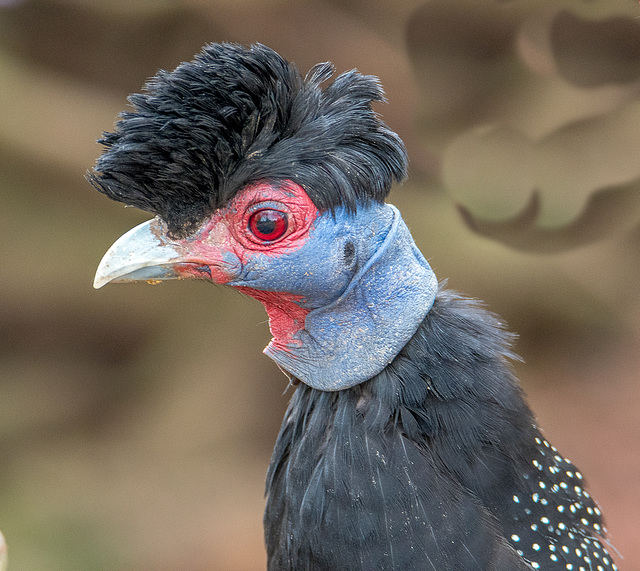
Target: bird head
{"x": 261, "y": 180}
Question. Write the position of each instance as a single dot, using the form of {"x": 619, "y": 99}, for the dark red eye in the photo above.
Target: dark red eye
{"x": 268, "y": 224}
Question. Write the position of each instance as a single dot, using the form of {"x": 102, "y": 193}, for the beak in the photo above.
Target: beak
{"x": 144, "y": 253}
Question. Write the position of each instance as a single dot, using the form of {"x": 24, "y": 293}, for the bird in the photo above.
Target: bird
{"x": 407, "y": 443}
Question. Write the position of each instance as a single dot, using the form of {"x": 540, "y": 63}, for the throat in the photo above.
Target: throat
{"x": 286, "y": 316}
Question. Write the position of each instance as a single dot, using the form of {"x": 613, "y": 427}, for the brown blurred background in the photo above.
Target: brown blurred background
{"x": 136, "y": 422}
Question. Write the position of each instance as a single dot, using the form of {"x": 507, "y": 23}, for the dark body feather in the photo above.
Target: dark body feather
{"x": 435, "y": 463}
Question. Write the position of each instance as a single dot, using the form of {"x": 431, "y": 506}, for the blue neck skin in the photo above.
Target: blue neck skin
{"x": 375, "y": 289}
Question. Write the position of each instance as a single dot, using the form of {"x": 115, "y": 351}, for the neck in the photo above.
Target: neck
{"x": 354, "y": 337}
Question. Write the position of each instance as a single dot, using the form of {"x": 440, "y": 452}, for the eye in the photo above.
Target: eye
{"x": 268, "y": 225}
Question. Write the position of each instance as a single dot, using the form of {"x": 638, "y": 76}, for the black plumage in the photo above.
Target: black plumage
{"x": 434, "y": 463}
{"x": 234, "y": 116}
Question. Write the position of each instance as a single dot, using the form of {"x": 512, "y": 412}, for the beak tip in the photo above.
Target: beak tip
{"x": 104, "y": 272}
{"x": 135, "y": 257}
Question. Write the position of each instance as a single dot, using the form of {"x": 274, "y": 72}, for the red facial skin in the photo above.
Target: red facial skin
{"x": 225, "y": 243}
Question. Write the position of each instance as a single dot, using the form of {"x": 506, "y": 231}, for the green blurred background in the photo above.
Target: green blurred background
{"x": 136, "y": 422}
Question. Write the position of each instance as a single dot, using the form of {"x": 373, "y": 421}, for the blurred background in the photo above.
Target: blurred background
{"x": 136, "y": 422}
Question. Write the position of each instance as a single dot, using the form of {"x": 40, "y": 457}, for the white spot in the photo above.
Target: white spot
{"x": 516, "y": 499}
{"x": 544, "y": 519}
{"x": 542, "y": 485}
{"x": 536, "y": 546}
{"x": 515, "y": 537}
{"x": 560, "y": 508}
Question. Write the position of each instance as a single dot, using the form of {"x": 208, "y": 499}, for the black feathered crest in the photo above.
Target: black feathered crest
{"x": 236, "y": 115}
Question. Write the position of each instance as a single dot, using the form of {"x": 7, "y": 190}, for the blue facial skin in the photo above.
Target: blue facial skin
{"x": 367, "y": 287}
{"x": 339, "y": 244}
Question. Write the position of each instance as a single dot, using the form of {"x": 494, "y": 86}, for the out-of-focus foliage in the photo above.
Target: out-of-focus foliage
{"x": 532, "y": 98}
{"x": 136, "y": 423}
{"x": 3, "y": 553}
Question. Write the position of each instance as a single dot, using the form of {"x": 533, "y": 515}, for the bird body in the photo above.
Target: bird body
{"x": 435, "y": 463}
{"x": 407, "y": 443}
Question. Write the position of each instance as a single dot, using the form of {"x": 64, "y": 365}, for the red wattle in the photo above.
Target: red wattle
{"x": 286, "y": 316}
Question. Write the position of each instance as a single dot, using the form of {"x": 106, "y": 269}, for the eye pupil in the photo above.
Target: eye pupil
{"x": 268, "y": 224}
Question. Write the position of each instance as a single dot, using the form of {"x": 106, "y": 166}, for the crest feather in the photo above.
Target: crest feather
{"x": 235, "y": 115}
